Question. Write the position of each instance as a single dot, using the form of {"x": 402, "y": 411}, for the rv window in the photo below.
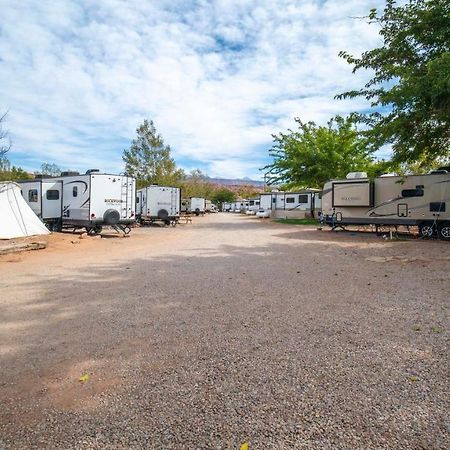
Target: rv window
{"x": 137, "y": 199}
{"x": 52, "y": 194}
{"x": 75, "y": 191}
{"x": 33, "y": 195}
{"x": 412, "y": 193}
{"x": 290, "y": 200}
{"x": 303, "y": 198}
{"x": 274, "y": 200}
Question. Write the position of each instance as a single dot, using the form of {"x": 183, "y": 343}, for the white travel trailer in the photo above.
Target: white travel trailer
{"x": 158, "y": 203}
{"x": 208, "y": 205}
{"x": 226, "y": 207}
{"x": 301, "y": 204}
{"x": 413, "y": 200}
{"x": 239, "y": 206}
{"x": 45, "y": 197}
{"x": 86, "y": 201}
{"x": 254, "y": 204}
{"x": 197, "y": 205}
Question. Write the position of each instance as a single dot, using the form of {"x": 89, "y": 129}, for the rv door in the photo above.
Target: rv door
{"x": 139, "y": 202}
{"x": 51, "y": 199}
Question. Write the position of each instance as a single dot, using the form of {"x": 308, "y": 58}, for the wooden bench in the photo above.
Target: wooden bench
{"x": 185, "y": 219}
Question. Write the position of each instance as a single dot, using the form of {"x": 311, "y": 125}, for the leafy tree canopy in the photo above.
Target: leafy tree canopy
{"x": 196, "y": 184}
{"x": 410, "y": 89}
{"x": 311, "y": 155}
{"x": 149, "y": 160}
{"x": 223, "y": 195}
{"x": 14, "y": 174}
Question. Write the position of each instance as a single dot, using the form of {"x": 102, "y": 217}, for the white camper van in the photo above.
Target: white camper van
{"x": 158, "y": 203}
{"x": 76, "y": 201}
{"x": 422, "y": 200}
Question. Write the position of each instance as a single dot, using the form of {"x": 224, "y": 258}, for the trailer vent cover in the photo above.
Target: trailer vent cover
{"x": 163, "y": 214}
{"x": 111, "y": 217}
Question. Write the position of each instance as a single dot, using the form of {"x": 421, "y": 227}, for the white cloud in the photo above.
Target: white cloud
{"x": 216, "y": 77}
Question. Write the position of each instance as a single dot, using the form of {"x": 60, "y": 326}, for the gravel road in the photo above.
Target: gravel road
{"x": 225, "y": 331}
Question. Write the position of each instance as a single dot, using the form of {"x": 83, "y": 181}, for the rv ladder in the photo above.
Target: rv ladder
{"x": 124, "y": 197}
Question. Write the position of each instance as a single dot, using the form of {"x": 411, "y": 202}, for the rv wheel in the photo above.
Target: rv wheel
{"x": 163, "y": 214}
{"x": 426, "y": 230}
{"x": 197, "y": 212}
{"x": 444, "y": 231}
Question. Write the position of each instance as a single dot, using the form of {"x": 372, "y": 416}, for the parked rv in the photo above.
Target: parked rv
{"x": 158, "y": 203}
{"x": 239, "y": 206}
{"x": 301, "y": 204}
{"x": 253, "y": 204}
{"x": 413, "y": 200}
{"x": 226, "y": 207}
{"x": 86, "y": 201}
{"x": 197, "y": 205}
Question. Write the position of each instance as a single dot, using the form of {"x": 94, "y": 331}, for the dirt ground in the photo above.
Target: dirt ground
{"x": 225, "y": 331}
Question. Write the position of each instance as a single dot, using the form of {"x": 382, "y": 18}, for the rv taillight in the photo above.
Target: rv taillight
{"x": 92, "y": 216}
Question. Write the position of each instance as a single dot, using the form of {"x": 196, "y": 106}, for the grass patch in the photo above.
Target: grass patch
{"x": 298, "y": 221}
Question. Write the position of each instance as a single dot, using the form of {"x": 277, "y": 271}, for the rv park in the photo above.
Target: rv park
{"x": 225, "y": 225}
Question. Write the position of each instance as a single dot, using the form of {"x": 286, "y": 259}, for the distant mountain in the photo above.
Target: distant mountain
{"x": 236, "y": 182}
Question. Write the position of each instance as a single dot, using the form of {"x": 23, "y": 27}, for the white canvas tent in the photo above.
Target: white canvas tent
{"x": 16, "y": 218}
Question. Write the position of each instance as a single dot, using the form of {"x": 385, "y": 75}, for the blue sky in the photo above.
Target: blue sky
{"x": 216, "y": 77}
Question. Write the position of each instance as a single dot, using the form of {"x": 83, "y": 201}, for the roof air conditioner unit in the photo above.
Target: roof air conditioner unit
{"x": 355, "y": 175}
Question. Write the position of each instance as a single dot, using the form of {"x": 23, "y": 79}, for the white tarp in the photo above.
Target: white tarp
{"x": 16, "y": 218}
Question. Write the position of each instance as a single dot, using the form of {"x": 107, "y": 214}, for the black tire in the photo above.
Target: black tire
{"x": 163, "y": 214}
{"x": 444, "y": 231}
{"x": 197, "y": 211}
{"x": 111, "y": 217}
{"x": 427, "y": 230}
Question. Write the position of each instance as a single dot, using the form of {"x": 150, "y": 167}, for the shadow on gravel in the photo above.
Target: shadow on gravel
{"x": 287, "y": 346}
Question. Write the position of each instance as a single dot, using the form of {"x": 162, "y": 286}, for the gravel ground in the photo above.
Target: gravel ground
{"x": 224, "y": 331}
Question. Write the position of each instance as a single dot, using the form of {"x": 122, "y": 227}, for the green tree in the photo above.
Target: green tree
{"x": 247, "y": 191}
{"x": 196, "y": 184}
{"x": 410, "y": 89}
{"x": 311, "y": 155}
{"x": 14, "y": 174}
{"x": 149, "y": 160}
{"x": 223, "y": 195}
